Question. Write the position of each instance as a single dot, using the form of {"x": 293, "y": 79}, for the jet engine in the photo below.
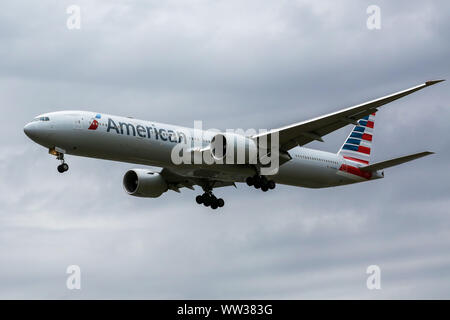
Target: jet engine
{"x": 144, "y": 183}
{"x": 234, "y": 148}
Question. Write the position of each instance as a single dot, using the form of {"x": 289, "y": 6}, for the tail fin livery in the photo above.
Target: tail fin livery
{"x": 358, "y": 145}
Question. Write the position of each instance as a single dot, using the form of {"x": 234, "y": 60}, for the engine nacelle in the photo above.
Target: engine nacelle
{"x": 144, "y": 183}
{"x": 234, "y": 148}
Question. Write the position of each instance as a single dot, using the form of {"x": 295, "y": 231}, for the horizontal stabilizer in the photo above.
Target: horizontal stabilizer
{"x": 394, "y": 162}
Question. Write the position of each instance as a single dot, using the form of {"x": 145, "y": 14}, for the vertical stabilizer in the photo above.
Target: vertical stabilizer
{"x": 358, "y": 145}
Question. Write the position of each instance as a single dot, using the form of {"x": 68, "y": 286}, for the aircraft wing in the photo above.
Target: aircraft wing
{"x": 301, "y": 133}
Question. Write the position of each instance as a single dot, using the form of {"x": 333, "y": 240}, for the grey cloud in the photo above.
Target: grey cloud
{"x": 230, "y": 64}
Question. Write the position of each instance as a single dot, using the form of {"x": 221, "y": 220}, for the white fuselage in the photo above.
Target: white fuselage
{"x": 150, "y": 143}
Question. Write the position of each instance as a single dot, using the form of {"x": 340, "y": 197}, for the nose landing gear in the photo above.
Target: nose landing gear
{"x": 260, "y": 182}
{"x": 208, "y": 199}
{"x": 63, "y": 167}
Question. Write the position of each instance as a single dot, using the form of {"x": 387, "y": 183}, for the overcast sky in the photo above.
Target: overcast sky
{"x": 232, "y": 64}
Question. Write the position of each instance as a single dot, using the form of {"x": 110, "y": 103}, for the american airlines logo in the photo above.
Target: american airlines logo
{"x": 94, "y": 123}
{"x": 144, "y": 131}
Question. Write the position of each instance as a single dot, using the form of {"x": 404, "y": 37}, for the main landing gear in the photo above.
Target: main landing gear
{"x": 208, "y": 199}
{"x": 260, "y": 182}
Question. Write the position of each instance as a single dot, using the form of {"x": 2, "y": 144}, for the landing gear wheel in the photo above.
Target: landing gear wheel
{"x": 271, "y": 184}
{"x": 63, "y": 167}
{"x": 208, "y": 199}
{"x": 261, "y": 182}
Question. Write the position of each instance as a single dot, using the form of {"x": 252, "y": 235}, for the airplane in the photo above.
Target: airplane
{"x": 148, "y": 143}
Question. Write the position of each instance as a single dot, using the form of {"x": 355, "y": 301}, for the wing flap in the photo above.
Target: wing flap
{"x": 394, "y": 162}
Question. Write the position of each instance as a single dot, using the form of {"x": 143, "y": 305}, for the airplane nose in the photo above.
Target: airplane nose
{"x": 30, "y": 130}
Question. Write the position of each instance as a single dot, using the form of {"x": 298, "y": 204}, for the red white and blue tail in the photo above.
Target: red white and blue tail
{"x": 358, "y": 145}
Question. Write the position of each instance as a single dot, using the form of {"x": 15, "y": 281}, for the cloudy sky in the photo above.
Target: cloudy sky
{"x": 232, "y": 64}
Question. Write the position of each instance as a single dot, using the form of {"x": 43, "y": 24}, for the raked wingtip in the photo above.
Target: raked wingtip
{"x": 431, "y": 82}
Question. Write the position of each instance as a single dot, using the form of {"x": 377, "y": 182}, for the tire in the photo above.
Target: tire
{"x": 65, "y": 167}
{"x": 207, "y": 200}
{"x": 257, "y": 185}
{"x": 250, "y": 181}
{"x": 272, "y": 184}
{"x": 214, "y": 205}
{"x": 264, "y": 188}
{"x": 199, "y": 199}
{"x": 60, "y": 168}
{"x": 220, "y": 202}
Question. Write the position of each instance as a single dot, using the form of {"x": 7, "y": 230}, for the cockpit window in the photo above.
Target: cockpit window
{"x": 42, "y": 119}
